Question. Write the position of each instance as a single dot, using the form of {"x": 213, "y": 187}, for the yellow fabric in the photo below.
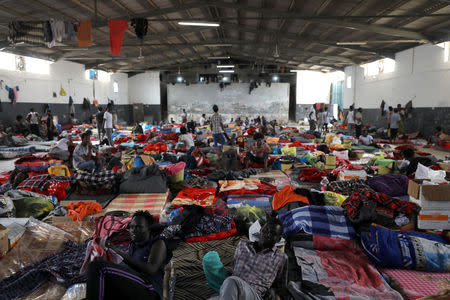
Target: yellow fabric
{"x": 332, "y": 198}
{"x": 290, "y": 151}
{"x": 329, "y": 138}
{"x": 59, "y": 170}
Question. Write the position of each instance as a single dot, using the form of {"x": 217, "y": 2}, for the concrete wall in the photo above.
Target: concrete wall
{"x": 420, "y": 75}
{"x": 144, "y": 88}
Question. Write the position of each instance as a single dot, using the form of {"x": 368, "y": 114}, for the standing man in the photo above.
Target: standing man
{"x": 50, "y": 125}
{"x": 350, "y": 120}
{"x": 99, "y": 117}
{"x": 184, "y": 117}
{"x": 358, "y": 122}
{"x": 217, "y": 127}
{"x": 395, "y": 120}
{"x": 33, "y": 118}
{"x": 202, "y": 120}
{"x": 312, "y": 119}
{"x": 108, "y": 123}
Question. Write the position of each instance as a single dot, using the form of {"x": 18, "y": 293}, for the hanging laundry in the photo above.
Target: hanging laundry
{"x": 16, "y": 96}
{"x": 12, "y": 93}
{"x": 62, "y": 92}
{"x": 84, "y": 33}
{"x": 30, "y": 33}
{"x": 71, "y": 33}
{"x": 58, "y": 30}
{"x": 140, "y": 26}
{"x": 116, "y": 30}
{"x": 48, "y": 34}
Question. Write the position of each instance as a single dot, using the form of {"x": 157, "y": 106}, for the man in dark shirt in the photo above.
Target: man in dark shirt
{"x": 99, "y": 117}
{"x": 259, "y": 267}
{"x": 410, "y": 155}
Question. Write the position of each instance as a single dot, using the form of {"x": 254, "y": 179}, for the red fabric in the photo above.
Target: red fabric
{"x": 284, "y": 141}
{"x": 78, "y": 211}
{"x": 312, "y": 175}
{"x": 309, "y": 136}
{"x": 214, "y": 236}
{"x": 4, "y": 176}
{"x": 201, "y": 172}
{"x": 122, "y": 139}
{"x": 196, "y": 194}
{"x": 287, "y": 195}
{"x": 142, "y": 138}
{"x": 171, "y": 137}
{"x": 264, "y": 188}
{"x": 158, "y": 148}
{"x": 116, "y": 30}
{"x": 308, "y": 147}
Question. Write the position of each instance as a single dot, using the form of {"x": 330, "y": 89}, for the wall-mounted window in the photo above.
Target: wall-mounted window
{"x": 115, "y": 87}
{"x": 97, "y": 75}
{"x": 446, "y": 47}
{"x": 38, "y": 66}
{"x": 7, "y": 61}
{"x": 349, "y": 82}
{"x": 14, "y": 62}
{"x": 385, "y": 65}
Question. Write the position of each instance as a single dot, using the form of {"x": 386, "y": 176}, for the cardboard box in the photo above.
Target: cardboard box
{"x": 4, "y": 241}
{"x": 434, "y": 219}
{"x": 431, "y": 205}
{"x": 428, "y": 192}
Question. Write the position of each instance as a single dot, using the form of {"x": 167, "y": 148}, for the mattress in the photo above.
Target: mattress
{"x": 12, "y": 152}
{"x": 153, "y": 203}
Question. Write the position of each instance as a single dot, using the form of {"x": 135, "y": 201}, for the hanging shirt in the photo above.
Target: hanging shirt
{"x": 84, "y": 33}
{"x": 58, "y": 30}
{"x": 71, "y": 34}
{"x": 108, "y": 119}
{"x": 116, "y": 30}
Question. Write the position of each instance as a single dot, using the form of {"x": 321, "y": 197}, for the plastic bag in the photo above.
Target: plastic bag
{"x": 423, "y": 172}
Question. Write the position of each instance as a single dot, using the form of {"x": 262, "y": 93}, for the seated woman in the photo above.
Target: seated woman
{"x": 258, "y": 152}
{"x": 141, "y": 275}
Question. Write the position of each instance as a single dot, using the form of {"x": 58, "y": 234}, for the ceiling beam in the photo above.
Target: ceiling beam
{"x": 337, "y": 23}
{"x": 294, "y": 37}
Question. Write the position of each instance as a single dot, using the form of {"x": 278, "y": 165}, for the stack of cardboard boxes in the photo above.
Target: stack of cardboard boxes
{"x": 435, "y": 203}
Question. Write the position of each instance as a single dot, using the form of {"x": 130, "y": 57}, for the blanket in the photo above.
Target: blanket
{"x": 259, "y": 201}
{"x": 318, "y": 220}
{"x": 406, "y": 249}
{"x": 416, "y": 284}
{"x": 154, "y": 203}
{"x": 12, "y": 152}
{"x": 345, "y": 271}
{"x": 187, "y": 262}
{"x": 202, "y": 197}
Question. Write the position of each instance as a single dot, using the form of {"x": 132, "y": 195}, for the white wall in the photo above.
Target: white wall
{"x": 37, "y": 88}
{"x": 314, "y": 87}
{"x": 144, "y": 88}
{"x": 420, "y": 75}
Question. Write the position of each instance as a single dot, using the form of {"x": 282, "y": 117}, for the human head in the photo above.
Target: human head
{"x": 215, "y": 108}
{"x": 399, "y": 106}
{"x": 360, "y": 109}
{"x": 390, "y": 108}
{"x": 203, "y": 115}
{"x": 140, "y": 227}
{"x": 49, "y": 111}
{"x": 184, "y": 110}
{"x": 109, "y": 107}
{"x": 258, "y": 137}
{"x": 85, "y": 138}
{"x": 395, "y": 110}
{"x": 364, "y": 133}
{"x": 270, "y": 233}
{"x": 183, "y": 130}
{"x": 351, "y": 107}
{"x": 326, "y": 108}
{"x": 19, "y": 118}
{"x": 32, "y": 109}
{"x": 408, "y": 153}
{"x": 100, "y": 109}
{"x": 72, "y": 116}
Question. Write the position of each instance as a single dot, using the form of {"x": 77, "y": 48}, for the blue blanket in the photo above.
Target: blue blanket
{"x": 319, "y": 220}
{"x": 406, "y": 249}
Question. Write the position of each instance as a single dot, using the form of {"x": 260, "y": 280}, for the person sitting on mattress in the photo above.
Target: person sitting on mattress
{"x": 83, "y": 158}
{"x": 258, "y": 152}
{"x": 366, "y": 139}
{"x": 414, "y": 160}
{"x": 260, "y": 269}
{"x": 140, "y": 275}
{"x": 61, "y": 149}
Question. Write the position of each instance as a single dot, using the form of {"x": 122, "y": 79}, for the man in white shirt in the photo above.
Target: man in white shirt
{"x": 33, "y": 118}
{"x": 350, "y": 121}
{"x": 366, "y": 140}
{"x": 186, "y": 138}
{"x": 61, "y": 149}
{"x": 395, "y": 120}
{"x": 203, "y": 120}
{"x": 184, "y": 117}
{"x": 108, "y": 123}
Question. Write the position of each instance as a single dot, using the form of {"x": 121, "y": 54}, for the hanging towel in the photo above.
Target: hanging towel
{"x": 140, "y": 26}
{"x": 116, "y": 30}
{"x": 84, "y": 33}
{"x": 58, "y": 30}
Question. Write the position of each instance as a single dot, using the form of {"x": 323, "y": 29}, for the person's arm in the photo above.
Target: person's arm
{"x": 158, "y": 254}
{"x": 87, "y": 157}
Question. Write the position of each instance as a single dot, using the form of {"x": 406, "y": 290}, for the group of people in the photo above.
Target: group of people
{"x": 34, "y": 123}
{"x": 320, "y": 118}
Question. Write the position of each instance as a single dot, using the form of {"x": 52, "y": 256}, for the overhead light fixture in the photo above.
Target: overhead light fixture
{"x": 350, "y": 43}
{"x": 225, "y": 66}
{"x": 199, "y": 24}
{"x": 275, "y": 78}
{"x": 276, "y": 54}
{"x": 226, "y": 71}
{"x": 179, "y": 79}
{"x": 219, "y": 57}
{"x": 218, "y": 45}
